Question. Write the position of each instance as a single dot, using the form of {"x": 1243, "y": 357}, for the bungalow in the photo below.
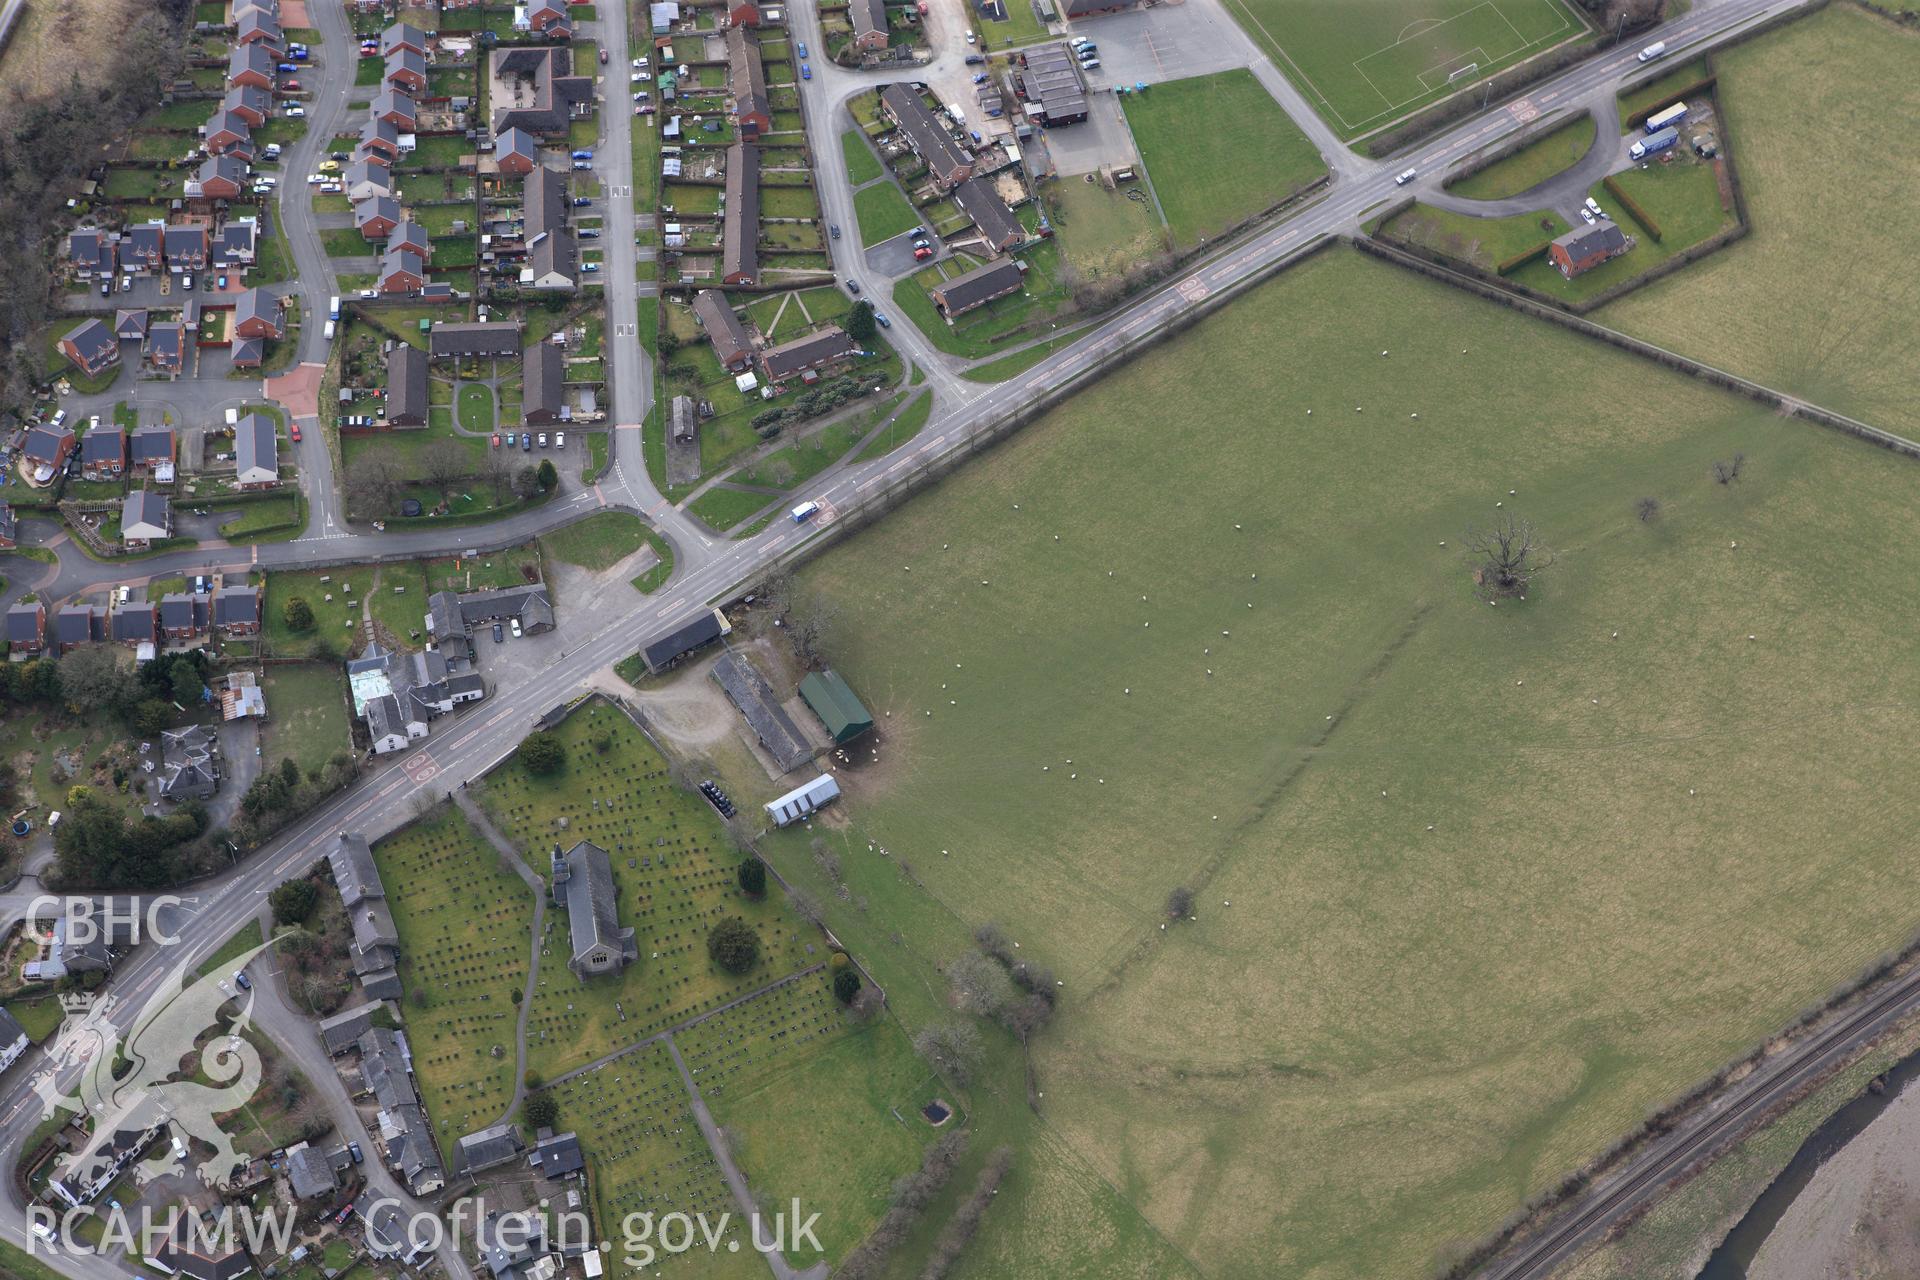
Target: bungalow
{"x": 396, "y": 109}
{"x": 516, "y": 152}
{"x": 1585, "y": 248}
{"x": 145, "y": 517}
{"x": 183, "y": 616}
{"x": 256, "y": 452}
{"x": 145, "y": 248}
{"x": 186, "y": 248}
{"x": 406, "y": 70}
{"x": 227, "y": 131}
{"x": 410, "y": 237}
{"x": 47, "y": 449}
{"x": 234, "y": 246}
{"x": 806, "y": 353}
{"x": 403, "y": 35}
{"x": 167, "y": 347}
{"x": 252, "y": 65}
{"x": 27, "y": 628}
{"x": 78, "y": 624}
{"x": 236, "y": 611}
{"x": 9, "y": 530}
{"x": 926, "y": 135}
{"x": 375, "y": 216}
{"x": 130, "y": 324}
{"x": 256, "y": 314}
{"x": 150, "y": 454}
{"x": 747, "y": 81}
{"x": 474, "y": 338}
{"x": 545, "y": 378}
{"x": 976, "y": 288}
{"x": 91, "y": 346}
{"x": 724, "y": 330}
{"x": 740, "y": 238}
{"x": 869, "y": 24}
{"x": 90, "y": 253}
{"x": 401, "y": 272}
{"x": 135, "y": 622}
{"x": 989, "y": 213}
{"x": 249, "y": 103}
{"x": 219, "y": 178}
{"x": 406, "y": 386}
{"x": 367, "y": 177}
{"x": 381, "y": 138}
{"x": 103, "y": 454}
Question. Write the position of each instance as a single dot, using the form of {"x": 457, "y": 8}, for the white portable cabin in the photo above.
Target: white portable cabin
{"x": 803, "y": 800}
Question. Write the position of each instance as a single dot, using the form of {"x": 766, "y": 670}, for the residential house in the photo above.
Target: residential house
{"x": 806, "y": 353}
{"x": 189, "y": 763}
{"x": 130, "y": 325}
{"x": 233, "y": 248}
{"x": 989, "y": 213}
{"x": 218, "y": 178}
{"x": 396, "y": 109}
{"x": 376, "y": 216}
{"x": 13, "y": 1040}
{"x": 516, "y": 152}
{"x": 401, "y": 272}
{"x": 253, "y": 26}
{"x": 406, "y": 386}
{"x": 747, "y": 81}
{"x": 250, "y": 65}
{"x": 514, "y": 1246}
{"x": 90, "y": 253}
{"x": 447, "y": 627}
{"x": 78, "y": 624}
{"x": 869, "y": 19}
{"x": 552, "y": 255}
{"x": 250, "y": 103}
{"x": 228, "y": 131}
{"x": 976, "y": 288}
{"x": 475, "y": 338}
{"x": 740, "y": 239}
{"x": 236, "y": 610}
{"x": 403, "y": 35}
{"x": 376, "y": 940}
{"x": 742, "y": 13}
{"x": 150, "y": 454}
{"x": 46, "y": 450}
{"x": 381, "y": 138}
{"x": 256, "y": 452}
{"x": 145, "y": 518}
{"x": 731, "y": 344}
{"x": 392, "y": 727}
{"x": 411, "y": 238}
{"x": 27, "y": 628}
{"x": 342, "y": 1031}
{"x": 582, "y": 880}
{"x": 91, "y": 346}
{"x": 103, "y": 454}
{"x": 529, "y": 604}
{"x": 84, "y": 1175}
{"x": 256, "y": 314}
{"x": 135, "y": 623}
{"x": 926, "y": 135}
{"x": 145, "y": 249}
{"x": 196, "y": 1252}
{"x": 167, "y": 346}
{"x": 406, "y": 71}
{"x": 556, "y": 1155}
{"x": 534, "y": 88}
{"x": 309, "y": 1173}
{"x": 545, "y": 379}
{"x": 9, "y": 539}
{"x": 184, "y": 616}
{"x": 545, "y": 15}
{"x": 367, "y": 177}
{"x": 1584, "y": 248}
{"x": 186, "y": 247}
{"x": 487, "y": 1148}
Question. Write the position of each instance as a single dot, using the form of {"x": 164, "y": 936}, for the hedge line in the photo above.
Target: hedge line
{"x": 1520, "y": 260}
{"x": 1632, "y": 206}
{"x": 1639, "y": 118}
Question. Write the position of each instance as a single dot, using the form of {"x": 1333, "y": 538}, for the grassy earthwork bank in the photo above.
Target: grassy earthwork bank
{"x": 1414, "y": 823}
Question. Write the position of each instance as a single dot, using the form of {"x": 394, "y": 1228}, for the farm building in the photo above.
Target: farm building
{"x": 748, "y": 690}
{"x": 801, "y": 801}
{"x": 845, "y": 716}
{"x": 663, "y": 651}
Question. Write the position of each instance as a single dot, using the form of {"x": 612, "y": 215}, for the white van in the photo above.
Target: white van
{"x": 805, "y": 512}
{"x": 1653, "y": 51}
{"x": 1403, "y": 179}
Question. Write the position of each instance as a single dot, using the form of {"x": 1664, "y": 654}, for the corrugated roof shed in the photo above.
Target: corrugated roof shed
{"x": 845, "y": 716}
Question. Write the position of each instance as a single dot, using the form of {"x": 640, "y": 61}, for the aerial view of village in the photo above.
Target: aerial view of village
{"x": 977, "y": 639}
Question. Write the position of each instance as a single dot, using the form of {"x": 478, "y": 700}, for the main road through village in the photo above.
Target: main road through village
{"x": 708, "y": 569}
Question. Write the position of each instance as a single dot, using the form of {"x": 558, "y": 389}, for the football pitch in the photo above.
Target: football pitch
{"x": 1366, "y": 64}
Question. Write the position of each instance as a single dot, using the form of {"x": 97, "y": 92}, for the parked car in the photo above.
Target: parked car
{"x": 802, "y": 47}
{"x": 880, "y": 319}
{"x": 499, "y": 633}
{"x": 223, "y": 282}
{"x": 583, "y": 154}
{"x": 980, "y": 77}
{"x": 526, "y": 445}
{"x": 291, "y": 84}
{"x": 559, "y": 439}
{"x": 496, "y": 439}
{"x": 589, "y": 266}
{"x": 186, "y": 283}
{"x": 286, "y": 67}
{"x": 1089, "y": 64}
{"x": 975, "y": 60}
{"x": 330, "y": 165}
{"x": 513, "y": 438}
{"x": 296, "y": 111}
{"x": 369, "y": 293}
{"x": 922, "y": 254}
{"x": 589, "y": 233}
{"x": 582, "y": 165}
{"x": 294, "y": 432}
{"x": 853, "y": 286}
{"x": 603, "y": 57}
{"x": 581, "y": 202}
{"x": 241, "y": 980}
{"x": 543, "y": 439}
{"x": 516, "y": 627}
{"x": 106, "y": 288}
{"x": 331, "y": 188}
{"x": 126, "y": 284}
{"x": 806, "y": 71}
{"x": 355, "y": 1154}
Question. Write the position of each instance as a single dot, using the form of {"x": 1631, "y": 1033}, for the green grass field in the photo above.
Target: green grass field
{"x": 1198, "y": 167}
{"x": 883, "y": 212}
{"x": 1807, "y": 302}
{"x": 335, "y": 621}
{"x": 1485, "y": 242}
{"x": 465, "y": 921}
{"x": 673, "y": 869}
{"x": 721, "y": 508}
{"x": 1661, "y": 88}
{"x": 906, "y": 424}
{"x": 307, "y": 714}
{"x": 1543, "y": 158}
{"x": 1364, "y": 66}
{"x": 1500, "y": 882}
{"x": 600, "y": 541}
{"x": 862, "y": 164}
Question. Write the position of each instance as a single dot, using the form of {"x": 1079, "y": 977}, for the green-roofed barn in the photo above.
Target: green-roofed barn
{"x": 843, "y": 713}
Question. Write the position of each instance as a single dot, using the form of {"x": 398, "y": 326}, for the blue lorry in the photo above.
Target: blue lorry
{"x": 1653, "y": 145}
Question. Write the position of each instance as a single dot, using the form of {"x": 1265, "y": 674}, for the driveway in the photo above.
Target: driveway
{"x": 1564, "y": 193}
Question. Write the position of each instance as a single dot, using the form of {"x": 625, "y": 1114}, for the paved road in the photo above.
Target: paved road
{"x": 475, "y": 739}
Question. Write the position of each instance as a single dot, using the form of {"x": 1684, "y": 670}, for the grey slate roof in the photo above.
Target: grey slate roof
{"x": 309, "y": 1172}
{"x": 593, "y": 916}
{"x": 806, "y": 352}
{"x": 985, "y": 282}
{"x": 748, "y": 690}
{"x": 150, "y": 445}
{"x": 24, "y": 622}
{"x": 483, "y": 338}
{"x": 143, "y": 506}
{"x": 406, "y": 384}
{"x": 555, "y": 1155}
{"x": 486, "y": 1148}
{"x": 103, "y": 446}
{"x": 256, "y": 304}
{"x": 926, "y": 135}
{"x": 183, "y": 612}
{"x": 133, "y": 622}
{"x": 354, "y": 872}
{"x": 255, "y": 445}
{"x": 375, "y": 207}
{"x": 94, "y": 340}
{"x": 544, "y": 379}
{"x": 740, "y": 239}
{"x": 724, "y": 330}
{"x": 663, "y": 651}
{"x": 343, "y": 1030}
{"x": 529, "y": 603}
{"x": 236, "y": 606}
{"x": 981, "y": 203}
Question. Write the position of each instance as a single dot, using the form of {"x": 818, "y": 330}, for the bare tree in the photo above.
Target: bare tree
{"x": 806, "y": 906}
{"x": 1726, "y": 471}
{"x": 1510, "y": 556}
{"x": 952, "y": 1047}
{"x": 980, "y": 986}
{"x": 526, "y": 481}
{"x": 1180, "y": 903}
{"x": 1648, "y": 509}
{"x": 373, "y": 483}
{"x": 444, "y": 464}
{"x": 808, "y": 628}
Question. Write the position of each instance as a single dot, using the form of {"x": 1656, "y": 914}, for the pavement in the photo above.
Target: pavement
{"x": 591, "y": 640}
